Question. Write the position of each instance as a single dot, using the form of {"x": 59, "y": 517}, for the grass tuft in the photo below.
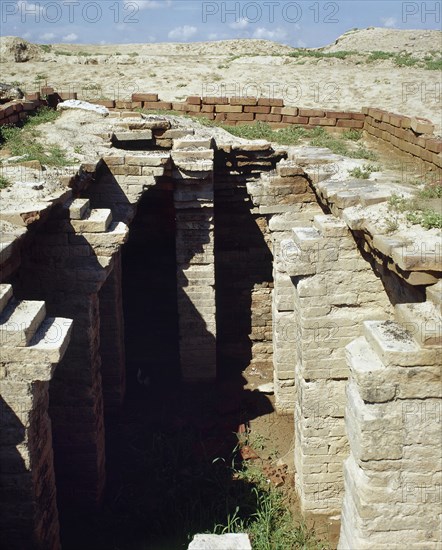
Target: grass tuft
{"x": 266, "y": 517}
{"x": 22, "y": 141}
{"x": 4, "y": 182}
{"x": 364, "y": 172}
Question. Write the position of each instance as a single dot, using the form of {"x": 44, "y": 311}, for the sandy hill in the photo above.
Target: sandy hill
{"x": 404, "y": 78}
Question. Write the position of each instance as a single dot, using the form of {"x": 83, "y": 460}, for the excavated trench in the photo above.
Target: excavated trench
{"x": 231, "y": 271}
{"x": 169, "y": 451}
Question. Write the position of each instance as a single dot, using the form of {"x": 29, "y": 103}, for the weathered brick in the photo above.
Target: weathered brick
{"x": 215, "y": 100}
{"x": 422, "y": 126}
{"x": 405, "y": 122}
{"x": 207, "y": 108}
{"x": 161, "y": 105}
{"x": 246, "y": 117}
{"x": 337, "y": 114}
{"x": 311, "y": 112}
{"x": 123, "y": 104}
{"x": 434, "y": 145}
{"x": 145, "y": 97}
{"x": 193, "y": 108}
{"x": 357, "y": 124}
{"x": 269, "y": 118}
{"x": 288, "y": 111}
{"x": 179, "y": 106}
{"x": 68, "y": 95}
{"x": 46, "y": 90}
{"x": 228, "y": 108}
{"x": 243, "y": 101}
{"x": 33, "y": 96}
{"x": 193, "y": 100}
{"x": 109, "y": 103}
{"x": 261, "y": 109}
{"x": 268, "y": 102}
{"x": 323, "y": 121}
{"x": 295, "y": 119}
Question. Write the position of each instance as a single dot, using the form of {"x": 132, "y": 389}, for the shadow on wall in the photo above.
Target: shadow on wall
{"x": 243, "y": 268}
{"x": 14, "y": 488}
{"x": 166, "y": 454}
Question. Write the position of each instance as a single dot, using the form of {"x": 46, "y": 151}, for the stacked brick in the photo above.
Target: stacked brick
{"x": 285, "y": 198}
{"x": 392, "y": 477}
{"x": 194, "y": 213}
{"x": 410, "y": 135}
{"x": 243, "y": 260}
{"x": 406, "y": 134}
{"x": 334, "y": 290}
{"x": 67, "y": 262}
{"x": 32, "y": 345}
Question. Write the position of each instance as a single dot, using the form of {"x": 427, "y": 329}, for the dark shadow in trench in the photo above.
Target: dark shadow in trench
{"x": 169, "y": 452}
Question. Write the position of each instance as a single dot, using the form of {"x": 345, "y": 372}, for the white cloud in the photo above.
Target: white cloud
{"x": 277, "y": 34}
{"x": 47, "y": 36}
{"x": 240, "y": 24}
{"x": 182, "y": 33}
{"x": 301, "y": 44}
{"x": 27, "y": 35}
{"x": 147, "y": 4}
{"x": 27, "y": 8}
{"x": 71, "y": 37}
{"x": 389, "y": 21}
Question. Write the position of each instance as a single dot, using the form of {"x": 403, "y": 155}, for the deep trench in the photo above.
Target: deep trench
{"x": 170, "y": 451}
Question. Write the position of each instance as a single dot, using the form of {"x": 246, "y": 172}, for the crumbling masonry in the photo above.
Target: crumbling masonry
{"x": 348, "y": 317}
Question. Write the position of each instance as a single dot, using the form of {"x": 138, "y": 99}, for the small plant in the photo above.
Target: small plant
{"x": 23, "y": 142}
{"x": 364, "y": 172}
{"x": 322, "y": 55}
{"x": 416, "y": 213}
{"x": 133, "y": 54}
{"x": 4, "y": 182}
{"x": 431, "y": 191}
{"x": 379, "y": 55}
{"x": 353, "y": 135}
{"x": 78, "y": 149}
{"x": 430, "y": 219}
{"x": 47, "y": 48}
{"x": 433, "y": 64}
{"x": 405, "y": 60}
{"x": 391, "y": 224}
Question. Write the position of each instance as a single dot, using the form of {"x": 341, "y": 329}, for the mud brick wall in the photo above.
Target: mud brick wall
{"x": 406, "y": 134}
{"x": 393, "y": 479}
{"x": 243, "y": 260}
{"x": 410, "y": 135}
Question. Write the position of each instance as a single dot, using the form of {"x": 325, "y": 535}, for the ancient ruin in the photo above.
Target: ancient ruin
{"x": 264, "y": 256}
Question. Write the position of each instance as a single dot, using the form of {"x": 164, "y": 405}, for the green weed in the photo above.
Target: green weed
{"x": 4, "y": 182}
{"x": 364, "y": 172}
{"x": 22, "y": 141}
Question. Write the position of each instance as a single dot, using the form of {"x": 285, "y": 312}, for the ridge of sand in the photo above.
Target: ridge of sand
{"x": 238, "y": 68}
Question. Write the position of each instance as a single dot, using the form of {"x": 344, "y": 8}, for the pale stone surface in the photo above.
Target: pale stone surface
{"x": 229, "y": 541}
{"x": 82, "y": 105}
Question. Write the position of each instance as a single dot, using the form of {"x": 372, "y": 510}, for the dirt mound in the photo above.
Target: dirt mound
{"x": 387, "y": 40}
{"x": 14, "y": 48}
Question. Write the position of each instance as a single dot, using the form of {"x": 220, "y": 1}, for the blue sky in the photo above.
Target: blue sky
{"x": 297, "y": 23}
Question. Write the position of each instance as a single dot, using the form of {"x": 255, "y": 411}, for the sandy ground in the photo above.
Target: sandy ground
{"x": 243, "y": 67}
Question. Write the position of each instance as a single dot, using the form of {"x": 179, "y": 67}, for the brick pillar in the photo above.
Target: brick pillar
{"x": 393, "y": 475}
{"x": 113, "y": 368}
{"x": 76, "y": 408}
{"x": 70, "y": 258}
{"x": 334, "y": 289}
{"x": 30, "y": 348}
{"x": 193, "y": 199}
